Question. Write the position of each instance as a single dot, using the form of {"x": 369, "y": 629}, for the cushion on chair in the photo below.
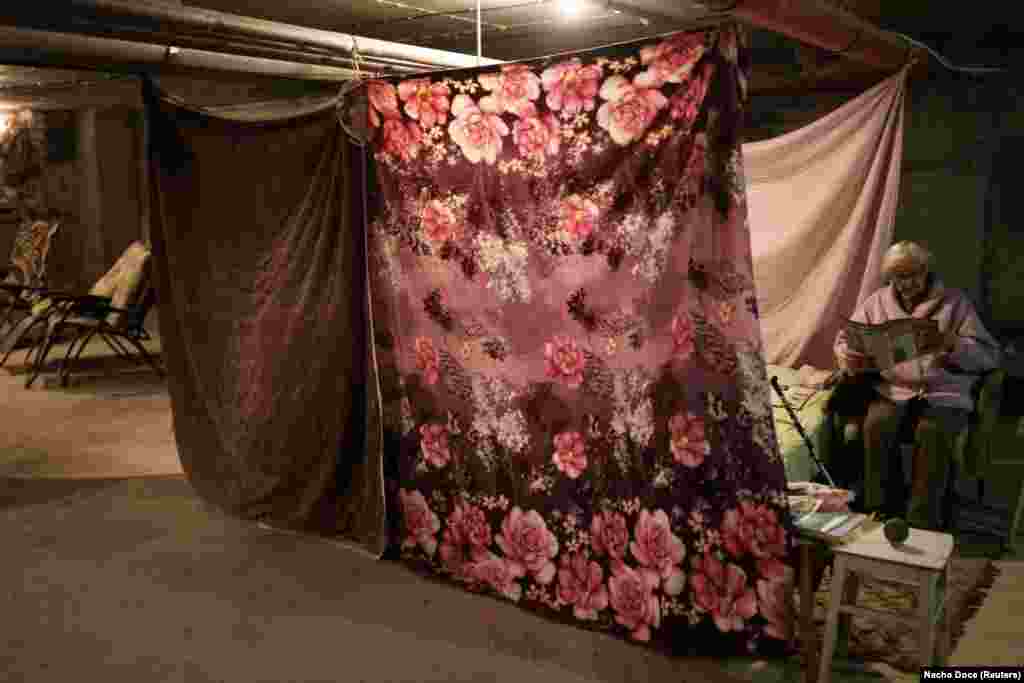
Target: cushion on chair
{"x": 29, "y": 253}
{"x": 124, "y": 282}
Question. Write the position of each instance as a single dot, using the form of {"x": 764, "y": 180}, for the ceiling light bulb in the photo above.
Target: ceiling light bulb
{"x": 570, "y": 8}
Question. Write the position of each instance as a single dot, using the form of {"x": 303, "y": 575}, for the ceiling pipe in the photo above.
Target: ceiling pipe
{"x": 95, "y": 26}
{"x": 180, "y": 17}
{"x": 266, "y": 49}
{"x": 34, "y": 47}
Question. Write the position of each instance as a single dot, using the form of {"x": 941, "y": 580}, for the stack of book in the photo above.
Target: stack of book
{"x": 831, "y": 527}
{"x": 823, "y": 513}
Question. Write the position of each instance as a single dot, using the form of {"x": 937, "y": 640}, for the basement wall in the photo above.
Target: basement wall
{"x": 963, "y": 140}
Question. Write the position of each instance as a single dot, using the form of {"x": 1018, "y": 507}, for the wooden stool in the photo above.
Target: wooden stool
{"x": 922, "y": 561}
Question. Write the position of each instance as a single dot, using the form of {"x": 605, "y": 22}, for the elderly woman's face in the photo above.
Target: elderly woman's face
{"x": 910, "y": 279}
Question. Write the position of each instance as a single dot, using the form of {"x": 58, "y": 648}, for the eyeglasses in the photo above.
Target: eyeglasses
{"x": 908, "y": 277}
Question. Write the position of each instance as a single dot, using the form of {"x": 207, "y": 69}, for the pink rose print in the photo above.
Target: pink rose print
{"x": 570, "y": 456}
{"x": 687, "y": 101}
{"x": 721, "y": 590}
{"x": 477, "y": 130}
{"x": 774, "y": 571}
{"x": 513, "y": 90}
{"x": 536, "y": 136}
{"x": 439, "y": 222}
{"x": 383, "y": 102}
{"x": 425, "y": 101}
{"x": 683, "y": 334}
{"x": 578, "y": 216}
{"x": 609, "y": 535}
{"x": 774, "y": 597}
{"x": 402, "y": 140}
{"x": 571, "y": 87}
{"x": 427, "y": 360}
{"x": 659, "y": 550}
{"x": 564, "y": 361}
{"x": 499, "y": 574}
{"x": 581, "y": 584}
{"x": 434, "y": 445}
{"x": 421, "y": 524}
{"x": 629, "y": 110}
{"x": 526, "y": 541}
{"x": 632, "y": 597}
{"x": 457, "y": 557}
{"x": 468, "y": 524}
{"x": 465, "y": 541}
{"x": 753, "y": 529}
{"x": 688, "y": 443}
{"x": 670, "y": 61}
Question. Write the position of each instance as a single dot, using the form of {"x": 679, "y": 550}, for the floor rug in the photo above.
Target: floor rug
{"x": 881, "y": 649}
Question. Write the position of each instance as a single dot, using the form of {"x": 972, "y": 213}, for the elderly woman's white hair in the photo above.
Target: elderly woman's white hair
{"x": 906, "y": 251}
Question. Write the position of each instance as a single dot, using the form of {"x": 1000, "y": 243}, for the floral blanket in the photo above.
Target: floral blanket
{"x": 567, "y": 335}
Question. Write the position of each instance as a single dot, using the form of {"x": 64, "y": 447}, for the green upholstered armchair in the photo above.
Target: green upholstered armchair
{"x": 841, "y": 444}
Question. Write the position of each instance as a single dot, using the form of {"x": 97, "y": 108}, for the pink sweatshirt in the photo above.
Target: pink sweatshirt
{"x": 941, "y": 385}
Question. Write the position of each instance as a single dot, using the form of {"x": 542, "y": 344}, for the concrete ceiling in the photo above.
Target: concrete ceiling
{"x": 524, "y": 29}
{"x": 511, "y": 29}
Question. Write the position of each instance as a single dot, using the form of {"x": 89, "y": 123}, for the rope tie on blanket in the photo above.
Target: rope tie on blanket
{"x": 354, "y": 103}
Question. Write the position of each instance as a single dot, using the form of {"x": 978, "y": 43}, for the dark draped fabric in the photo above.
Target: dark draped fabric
{"x": 570, "y": 356}
{"x": 259, "y": 255}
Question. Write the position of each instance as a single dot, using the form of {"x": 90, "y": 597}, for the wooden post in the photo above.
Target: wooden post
{"x": 93, "y": 256}
{"x": 142, "y": 138}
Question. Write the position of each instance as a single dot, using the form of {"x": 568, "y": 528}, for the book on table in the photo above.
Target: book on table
{"x": 831, "y": 527}
{"x": 893, "y": 342}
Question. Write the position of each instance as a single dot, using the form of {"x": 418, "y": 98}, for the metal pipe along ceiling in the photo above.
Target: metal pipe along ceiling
{"x": 253, "y": 48}
{"x": 29, "y": 46}
{"x": 196, "y": 19}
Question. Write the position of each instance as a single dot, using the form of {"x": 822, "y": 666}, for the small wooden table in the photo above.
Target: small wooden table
{"x": 922, "y": 561}
{"x": 812, "y": 553}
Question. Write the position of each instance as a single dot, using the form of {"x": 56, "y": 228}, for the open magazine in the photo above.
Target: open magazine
{"x": 893, "y": 342}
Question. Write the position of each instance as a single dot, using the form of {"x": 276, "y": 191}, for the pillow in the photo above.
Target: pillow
{"x": 124, "y": 282}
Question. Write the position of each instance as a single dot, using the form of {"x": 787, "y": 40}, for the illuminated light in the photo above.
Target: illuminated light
{"x": 570, "y": 9}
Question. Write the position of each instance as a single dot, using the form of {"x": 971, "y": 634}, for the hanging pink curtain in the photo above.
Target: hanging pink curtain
{"x": 821, "y": 204}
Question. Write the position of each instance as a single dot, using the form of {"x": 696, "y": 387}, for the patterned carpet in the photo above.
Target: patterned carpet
{"x": 880, "y": 649}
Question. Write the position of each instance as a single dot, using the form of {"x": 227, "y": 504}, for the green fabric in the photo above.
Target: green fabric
{"x": 798, "y": 462}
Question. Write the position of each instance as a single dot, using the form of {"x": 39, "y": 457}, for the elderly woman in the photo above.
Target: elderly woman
{"x": 934, "y": 388}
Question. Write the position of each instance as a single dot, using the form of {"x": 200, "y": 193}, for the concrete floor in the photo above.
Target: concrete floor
{"x": 112, "y": 569}
{"x": 135, "y": 580}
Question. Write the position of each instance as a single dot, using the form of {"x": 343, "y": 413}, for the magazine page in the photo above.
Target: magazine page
{"x": 893, "y": 342}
